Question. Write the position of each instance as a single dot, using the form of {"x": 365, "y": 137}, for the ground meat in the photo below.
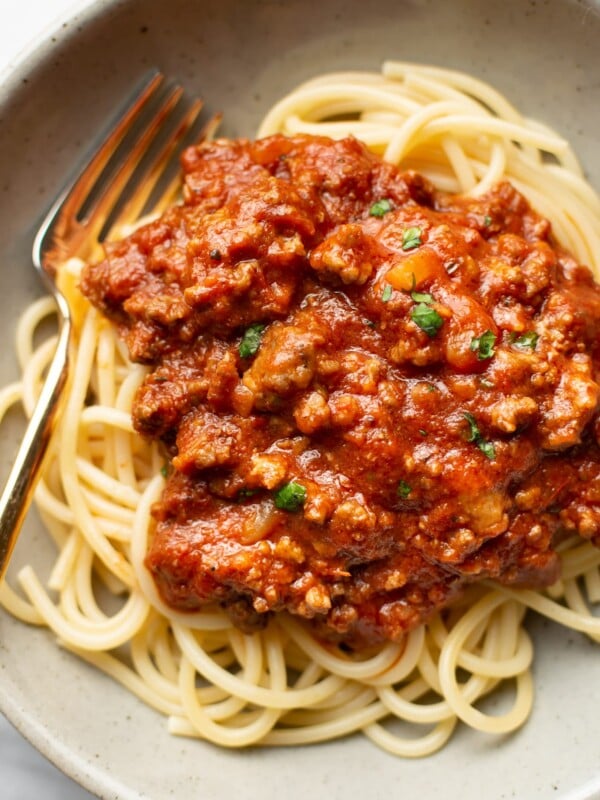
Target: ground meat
{"x": 371, "y": 393}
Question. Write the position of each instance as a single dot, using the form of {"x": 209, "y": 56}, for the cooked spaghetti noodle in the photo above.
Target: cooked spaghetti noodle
{"x": 283, "y": 686}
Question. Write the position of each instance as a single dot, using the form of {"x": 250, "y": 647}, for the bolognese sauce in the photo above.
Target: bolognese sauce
{"x": 371, "y": 393}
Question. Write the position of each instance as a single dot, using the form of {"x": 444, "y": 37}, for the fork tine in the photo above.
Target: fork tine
{"x": 144, "y": 182}
{"x": 114, "y": 186}
{"x": 94, "y": 168}
{"x": 50, "y": 245}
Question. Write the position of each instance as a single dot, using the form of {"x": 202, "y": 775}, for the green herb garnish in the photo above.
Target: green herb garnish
{"x": 487, "y": 448}
{"x": 290, "y": 497}
{"x": 164, "y": 470}
{"x": 380, "y": 208}
{"x": 474, "y": 433}
{"x": 421, "y": 297}
{"x": 487, "y": 220}
{"x": 403, "y": 490}
{"x": 387, "y": 293}
{"x": 527, "y": 340}
{"x": 411, "y": 238}
{"x": 251, "y": 340}
{"x": 484, "y": 345}
{"x": 427, "y": 319}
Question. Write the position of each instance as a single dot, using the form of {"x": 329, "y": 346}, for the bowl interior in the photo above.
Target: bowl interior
{"x": 241, "y": 57}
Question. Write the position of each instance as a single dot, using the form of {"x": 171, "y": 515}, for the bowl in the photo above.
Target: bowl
{"x": 241, "y": 57}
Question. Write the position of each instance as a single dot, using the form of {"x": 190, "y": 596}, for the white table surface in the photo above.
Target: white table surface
{"x": 25, "y": 775}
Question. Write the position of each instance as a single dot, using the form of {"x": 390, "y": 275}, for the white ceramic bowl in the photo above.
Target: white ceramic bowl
{"x": 241, "y": 55}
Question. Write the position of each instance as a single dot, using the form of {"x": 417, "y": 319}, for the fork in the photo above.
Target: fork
{"x": 113, "y": 189}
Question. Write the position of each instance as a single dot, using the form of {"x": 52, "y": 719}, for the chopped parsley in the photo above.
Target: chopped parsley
{"x": 423, "y": 432}
{"x": 487, "y": 448}
{"x": 403, "y": 490}
{"x": 290, "y": 497}
{"x": 164, "y": 470}
{"x": 427, "y": 319}
{"x": 381, "y": 207}
{"x": 487, "y": 220}
{"x": 421, "y": 297}
{"x": 474, "y": 432}
{"x": 422, "y": 315}
{"x": 527, "y": 340}
{"x": 484, "y": 345}
{"x": 251, "y": 340}
{"x": 215, "y": 255}
{"x": 387, "y": 293}
{"x": 411, "y": 238}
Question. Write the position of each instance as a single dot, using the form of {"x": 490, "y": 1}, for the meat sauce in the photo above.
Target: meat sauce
{"x": 371, "y": 393}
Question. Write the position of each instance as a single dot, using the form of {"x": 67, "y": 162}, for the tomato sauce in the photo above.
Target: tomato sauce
{"x": 371, "y": 393}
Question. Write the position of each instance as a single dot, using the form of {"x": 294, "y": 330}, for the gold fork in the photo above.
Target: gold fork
{"x": 111, "y": 191}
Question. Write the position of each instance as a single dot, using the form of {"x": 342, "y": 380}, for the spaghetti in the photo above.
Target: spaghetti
{"x": 283, "y": 686}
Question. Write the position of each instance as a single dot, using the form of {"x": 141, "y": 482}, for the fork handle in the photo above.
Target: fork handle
{"x": 17, "y": 494}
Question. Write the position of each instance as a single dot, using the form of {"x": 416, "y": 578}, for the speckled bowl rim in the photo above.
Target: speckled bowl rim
{"x": 35, "y": 51}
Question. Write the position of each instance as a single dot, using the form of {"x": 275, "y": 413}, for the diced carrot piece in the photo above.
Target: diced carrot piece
{"x": 414, "y": 268}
